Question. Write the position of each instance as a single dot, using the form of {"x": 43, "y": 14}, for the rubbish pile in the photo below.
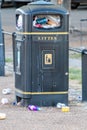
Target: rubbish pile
{"x": 47, "y": 21}
{"x": 63, "y": 107}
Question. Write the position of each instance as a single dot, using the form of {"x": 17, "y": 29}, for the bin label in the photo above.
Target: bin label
{"x": 48, "y": 59}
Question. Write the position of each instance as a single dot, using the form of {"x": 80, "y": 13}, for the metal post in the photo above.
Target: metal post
{"x": 2, "y": 52}
{"x": 84, "y": 75}
{"x": 84, "y": 70}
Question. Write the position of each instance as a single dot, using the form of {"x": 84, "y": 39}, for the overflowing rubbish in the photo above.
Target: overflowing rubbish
{"x": 47, "y": 21}
{"x": 19, "y": 22}
{"x": 6, "y": 91}
{"x": 4, "y": 101}
{"x": 34, "y": 108}
{"x": 2, "y": 116}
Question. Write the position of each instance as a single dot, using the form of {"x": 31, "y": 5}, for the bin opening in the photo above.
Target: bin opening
{"x": 47, "y": 21}
{"x": 19, "y": 22}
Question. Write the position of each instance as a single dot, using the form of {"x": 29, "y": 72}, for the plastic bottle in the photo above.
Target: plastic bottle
{"x": 33, "y": 108}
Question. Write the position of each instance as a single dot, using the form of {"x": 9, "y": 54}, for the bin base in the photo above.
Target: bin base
{"x": 44, "y": 100}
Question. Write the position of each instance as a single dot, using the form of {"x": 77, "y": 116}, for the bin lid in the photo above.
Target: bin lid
{"x": 42, "y": 6}
{"x": 41, "y": 2}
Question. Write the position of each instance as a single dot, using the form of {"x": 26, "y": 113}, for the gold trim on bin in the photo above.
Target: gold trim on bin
{"x": 39, "y": 93}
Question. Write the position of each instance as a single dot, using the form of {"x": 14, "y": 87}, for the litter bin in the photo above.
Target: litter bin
{"x": 41, "y": 54}
{"x": 2, "y": 52}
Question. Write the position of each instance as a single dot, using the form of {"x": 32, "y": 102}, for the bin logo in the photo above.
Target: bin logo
{"x": 48, "y": 59}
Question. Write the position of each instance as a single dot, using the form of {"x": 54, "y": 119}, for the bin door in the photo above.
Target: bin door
{"x": 49, "y": 67}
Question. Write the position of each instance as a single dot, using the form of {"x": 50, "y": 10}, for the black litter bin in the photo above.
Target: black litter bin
{"x": 41, "y": 54}
{"x": 2, "y": 52}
